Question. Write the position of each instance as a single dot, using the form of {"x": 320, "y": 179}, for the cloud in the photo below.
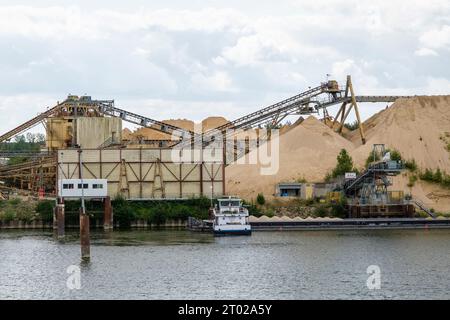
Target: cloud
{"x": 424, "y": 52}
{"x": 229, "y": 59}
{"x": 436, "y": 38}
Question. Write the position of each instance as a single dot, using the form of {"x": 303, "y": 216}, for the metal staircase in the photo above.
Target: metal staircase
{"x": 419, "y": 204}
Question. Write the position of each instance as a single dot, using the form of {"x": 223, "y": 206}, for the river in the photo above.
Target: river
{"x": 170, "y": 264}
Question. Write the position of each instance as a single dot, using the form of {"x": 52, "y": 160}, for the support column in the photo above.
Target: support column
{"x": 84, "y": 236}
{"x": 108, "y": 214}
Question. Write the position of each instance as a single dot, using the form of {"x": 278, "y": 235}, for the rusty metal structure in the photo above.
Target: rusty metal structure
{"x": 95, "y": 126}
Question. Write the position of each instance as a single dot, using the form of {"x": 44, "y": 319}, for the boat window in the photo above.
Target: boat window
{"x": 233, "y": 203}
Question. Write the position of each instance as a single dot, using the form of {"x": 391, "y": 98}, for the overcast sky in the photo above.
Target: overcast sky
{"x": 192, "y": 59}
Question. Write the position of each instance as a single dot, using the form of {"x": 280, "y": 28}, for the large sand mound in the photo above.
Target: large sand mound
{"x": 307, "y": 151}
{"x": 412, "y": 126}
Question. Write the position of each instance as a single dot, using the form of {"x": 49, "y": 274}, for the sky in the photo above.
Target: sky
{"x": 193, "y": 59}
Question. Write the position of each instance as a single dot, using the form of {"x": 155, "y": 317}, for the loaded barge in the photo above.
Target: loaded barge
{"x": 339, "y": 224}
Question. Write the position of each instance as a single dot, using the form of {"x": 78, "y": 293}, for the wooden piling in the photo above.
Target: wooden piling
{"x": 84, "y": 236}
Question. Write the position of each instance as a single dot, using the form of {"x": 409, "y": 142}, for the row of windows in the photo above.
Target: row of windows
{"x": 83, "y": 186}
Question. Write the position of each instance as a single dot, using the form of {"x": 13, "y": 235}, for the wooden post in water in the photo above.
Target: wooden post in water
{"x": 84, "y": 235}
{"x": 107, "y": 216}
{"x": 84, "y": 218}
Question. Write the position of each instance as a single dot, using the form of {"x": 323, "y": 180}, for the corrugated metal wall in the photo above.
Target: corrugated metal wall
{"x": 93, "y": 131}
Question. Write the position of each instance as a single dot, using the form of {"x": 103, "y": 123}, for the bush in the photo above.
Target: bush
{"x": 437, "y": 176}
{"x": 352, "y": 126}
{"x": 8, "y": 215}
{"x": 24, "y": 212}
{"x": 411, "y": 165}
{"x": 412, "y": 181}
{"x": 427, "y": 175}
{"x": 373, "y": 157}
{"x": 45, "y": 210}
{"x": 269, "y": 212}
{"x": 123, "y": 213}
{"x": 395, "y": 155}
{"x": 338, "y": 209}
{"x": 260, "y": 199}
{"x": 320, "y": 211}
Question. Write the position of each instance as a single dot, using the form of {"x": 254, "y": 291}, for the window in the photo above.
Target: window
{"x": 97, "y": 186}
{"x": 68, "y": 186}
{"x": 85, "y": 186}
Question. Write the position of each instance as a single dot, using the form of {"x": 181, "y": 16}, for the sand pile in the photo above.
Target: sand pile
{"x": 308, "y": 151}
{"x": 213, "y": 122}
{"x": 152, "y": 134}
{"x": 414, "y": 127}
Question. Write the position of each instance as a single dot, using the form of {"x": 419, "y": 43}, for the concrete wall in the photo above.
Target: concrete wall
{"x": 136, "y": 171}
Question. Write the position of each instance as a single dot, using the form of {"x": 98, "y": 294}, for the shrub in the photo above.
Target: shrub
{"x": 373, "y": 157}
{"x": 395, "y": 155}
{"x": 260, "y": 199}
{"x": 338, "y": 209}
{"x": 123, "y": 214}
{"x": 411, "y": 165}
{"x": 352, "y": 126}
{"x": 24, "y": 212}
{"x": 45, "y": 210}
{"x": 437, "y": 176}
{"x": 269, "y": 212}
{"x": 412, "y": 180}
{"x": 427, "y": 175}
{"x": 7, "y": 215}
{"x": 320, "y": 211}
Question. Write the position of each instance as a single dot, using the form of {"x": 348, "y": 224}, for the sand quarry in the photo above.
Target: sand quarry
{"x": 308, "y": 150}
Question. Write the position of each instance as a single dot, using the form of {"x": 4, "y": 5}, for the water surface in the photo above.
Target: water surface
{"x": 267, "y": 265}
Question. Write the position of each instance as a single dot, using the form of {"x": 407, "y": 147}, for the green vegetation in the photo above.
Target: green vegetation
{"x": 158, "y": 212}
{"x": 338, "y": 209}
{"x": 373, "y": 157}
{"x": 321, "y": 210}
{"x": 395, "y": 155}
{"x": 352, "y": 126}
{"x": 344, "y": 164}
{"x": 30, "y": 142}
{"x": 437, "y": 176}
{"x": 410, "y": 165}
{"x": 45, "y": 210}
{"x": 15, "y": 209}
{"x": 412, "y": 180}
{"x": 260, "y": 199}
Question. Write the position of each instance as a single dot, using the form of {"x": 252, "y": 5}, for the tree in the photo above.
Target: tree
{"x": 31, "y": 137}
{"x": 260, "y": 199}
{"x": 40, "y": 138}
{"x": 344, "y": 164}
